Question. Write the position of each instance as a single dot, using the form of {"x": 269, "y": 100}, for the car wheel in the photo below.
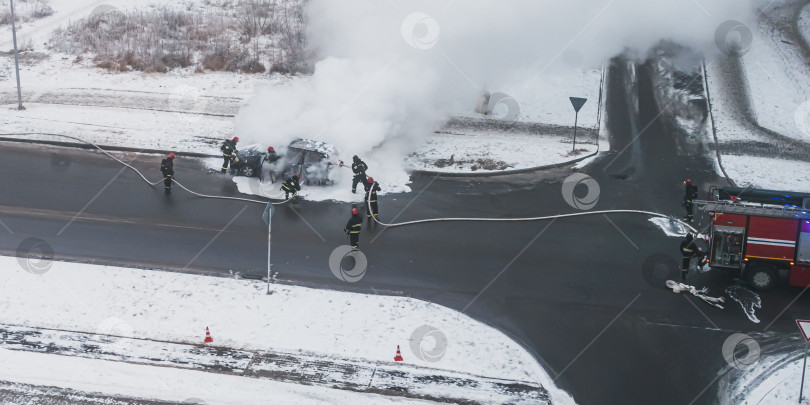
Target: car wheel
{"x": 761, "y": 277}
{"x": 248, "y": 171}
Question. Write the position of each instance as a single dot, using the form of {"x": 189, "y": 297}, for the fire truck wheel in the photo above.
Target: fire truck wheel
{"x": 761, "y": 277}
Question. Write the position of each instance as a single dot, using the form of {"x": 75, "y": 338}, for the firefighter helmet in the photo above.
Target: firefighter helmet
{"x": 236, "y": 139}
{"x": 688, "y": 182}
{"x": 355, "y": 158}
{"x": 298, "y": 175}
{"x": 355, "y": 211}
{"x": 270, "y": 149}
{"x": 371, "y": 179}
{"x": 171, "y": 155}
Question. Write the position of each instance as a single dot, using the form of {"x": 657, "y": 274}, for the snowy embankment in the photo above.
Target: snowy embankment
{"x": 744, "y": 95}
{"x": 177, "y": 307}
{"x": 760, "y": 104}
{"x": 777, "y": 73}
{"x": 106, "y": 379}
{"x": 774, "y": 380}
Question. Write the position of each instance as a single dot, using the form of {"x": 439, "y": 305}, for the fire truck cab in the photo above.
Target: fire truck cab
{"x": 756, "y": 234}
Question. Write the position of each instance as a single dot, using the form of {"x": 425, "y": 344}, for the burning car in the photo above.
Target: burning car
{"x": 248, "y": 162}
{"x": 309, "y": 158}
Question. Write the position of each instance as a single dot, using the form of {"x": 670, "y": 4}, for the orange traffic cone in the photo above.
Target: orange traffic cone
{"x": 208, "y": 338}
{"x": 398, "y": 357}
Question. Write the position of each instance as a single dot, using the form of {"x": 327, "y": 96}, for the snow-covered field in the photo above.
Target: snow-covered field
{"x": 775, "y": 380}
{"x": 177, "y": 307}
{"x": 762, "y": 172}
{"x": 769, "y": 88}
{"x": 168, "y": 384}
{"x": 778, "y": 78}
{"x": 476, "y": 152}
{"x": 544, "y": 97}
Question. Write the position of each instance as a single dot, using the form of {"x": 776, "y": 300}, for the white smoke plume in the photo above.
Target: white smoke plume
{"x": 390, "y": 71}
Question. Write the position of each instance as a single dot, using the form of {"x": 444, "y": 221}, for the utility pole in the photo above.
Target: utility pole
{"x": 16, "y": 58}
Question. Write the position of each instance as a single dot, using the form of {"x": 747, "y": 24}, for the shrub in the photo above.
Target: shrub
{"x": 164, "y": 39}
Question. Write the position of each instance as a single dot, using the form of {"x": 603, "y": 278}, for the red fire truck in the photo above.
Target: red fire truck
{"x": 758, "y": 234}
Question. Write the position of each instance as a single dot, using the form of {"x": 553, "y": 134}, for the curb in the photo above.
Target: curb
{"x": 205, "y": 155}
{"x": 508, "y": 172}
{"x": 105, "y": 147}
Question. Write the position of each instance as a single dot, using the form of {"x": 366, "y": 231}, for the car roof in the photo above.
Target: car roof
{"x": 314, "y": 146}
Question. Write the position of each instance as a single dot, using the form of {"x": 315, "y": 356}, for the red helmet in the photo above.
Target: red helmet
{"x": 270, "y": 149}
{"x": 298, "y": 175}
{"x": 236, "y": 139}
{"x": 355, "y": 211}
{"x": 687, "y": 181}
{"x": 370, "y": 179}
{"x": 171, "y": 155}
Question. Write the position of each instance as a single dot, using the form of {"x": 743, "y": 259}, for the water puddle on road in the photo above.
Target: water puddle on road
{"x": 747, "y": 299}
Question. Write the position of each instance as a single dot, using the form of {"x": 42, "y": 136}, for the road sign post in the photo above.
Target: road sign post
{"x": 577, "y": 103}
{"x": 267, "y": 216}
{"x": 804, "y": 326}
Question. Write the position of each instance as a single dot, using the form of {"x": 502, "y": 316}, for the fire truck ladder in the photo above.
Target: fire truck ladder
{"x": 743, "y": 208}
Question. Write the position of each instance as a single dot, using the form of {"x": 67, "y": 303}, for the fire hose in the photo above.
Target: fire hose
{"x": 393, "y": 225}
{"x": 151, "y": 184}
{"x": 576, "y": 214}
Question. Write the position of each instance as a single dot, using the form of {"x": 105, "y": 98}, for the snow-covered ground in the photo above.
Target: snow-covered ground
{"x": 775, "y": 380}
{"x": 544, "y": 97}
{"x": 778, "y": 77}
{"x": 769, "y": 173}
{"x": 767, "y": 88}
{"x": 495, "y": 152}
{"x": 168, "y": 384}
{"x": 177, "y": 308}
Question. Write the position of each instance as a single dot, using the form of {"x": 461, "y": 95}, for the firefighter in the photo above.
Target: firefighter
{"x": 291, "y": 185}
{"x": 359, "y": 169}
{"x": 691, "y": 192}
{"x": 688, "y": 251}
{"x": 228, "y": 149}
{"x": 371, "y": 198}
{"x": 271, "y": 155}
{"x": 352, "y": 228}
{"x": 167, "y": 168}
{"x": 271, "y": 158}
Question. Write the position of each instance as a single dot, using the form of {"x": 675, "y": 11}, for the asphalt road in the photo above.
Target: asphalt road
{"x": 580, "y": 293}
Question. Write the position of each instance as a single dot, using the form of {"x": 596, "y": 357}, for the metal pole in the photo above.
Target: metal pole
{"x": 16, "y": 59}
{"x": 801, "y": 388}
{"x": 269, "y": 237}
{"x": 576, "y": 116}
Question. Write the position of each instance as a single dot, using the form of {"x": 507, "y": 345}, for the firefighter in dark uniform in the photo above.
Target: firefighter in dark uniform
{"x": 291, "y": 185}
{"x": 167, "y": 168}
{"x": 690, "y": 194}
{"x": 371, "y": 198}
{"x": 271, "y": 158}
{"x": 688, "y": 251}
{"x": 353, "y": 228}
{"x": 228, "y": 149}
{"x": 359, "y": 169}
